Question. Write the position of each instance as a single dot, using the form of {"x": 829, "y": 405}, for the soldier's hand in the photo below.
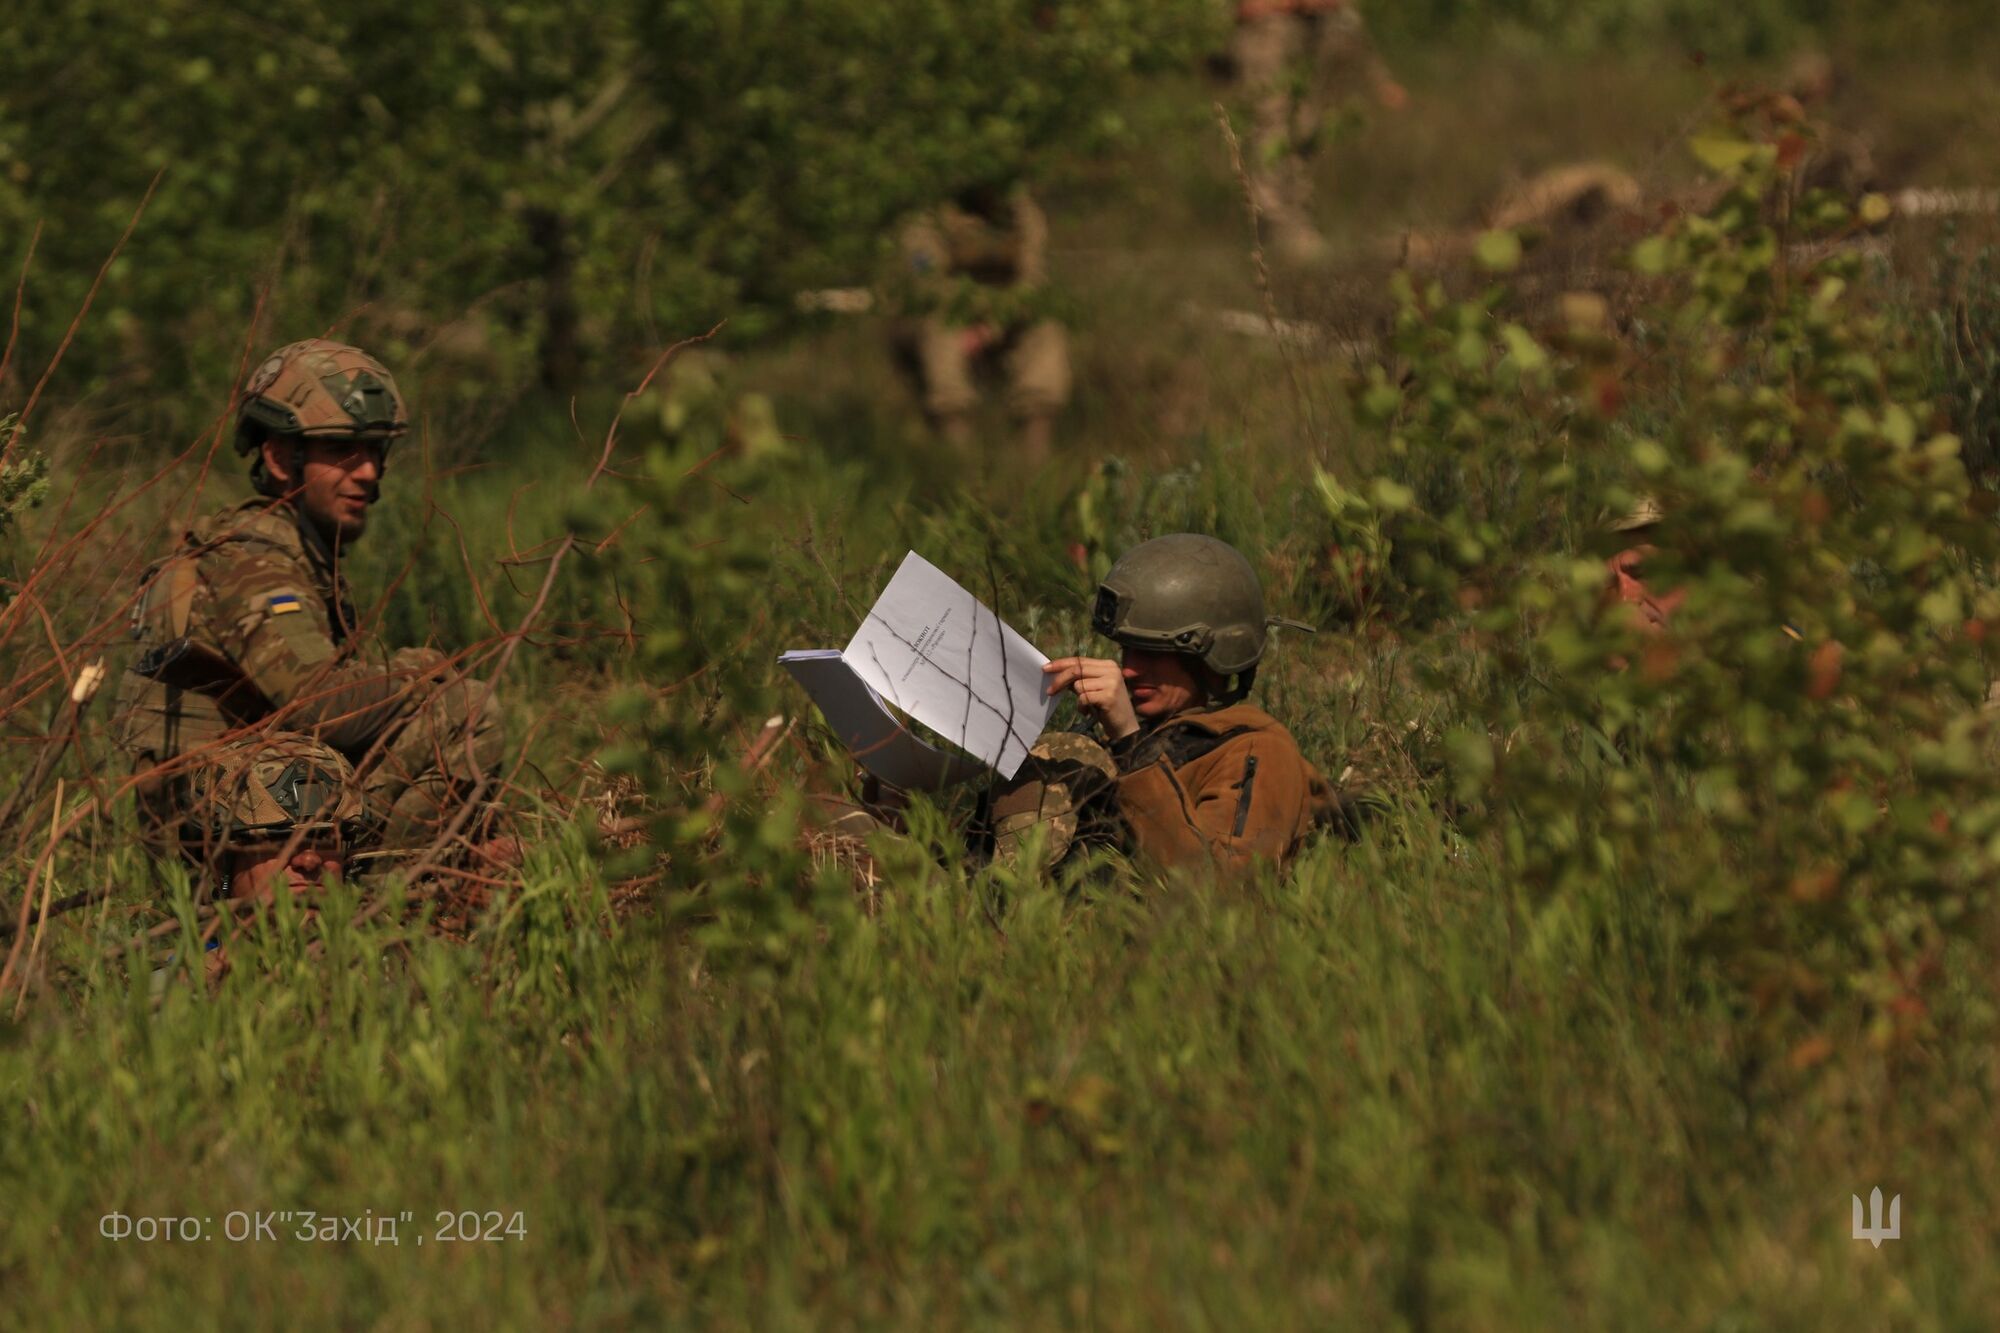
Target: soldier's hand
{"x": 975, "y": 340}
{"x": 1099, "y": 685}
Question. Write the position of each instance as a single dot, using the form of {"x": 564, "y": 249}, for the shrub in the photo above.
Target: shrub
{"x": 1812, "y": 708}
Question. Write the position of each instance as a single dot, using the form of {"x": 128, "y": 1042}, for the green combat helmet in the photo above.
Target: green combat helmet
{"x": 266, "y": 789}
{"x": 1190, "y": 594}
{"x": 318, "y": 390}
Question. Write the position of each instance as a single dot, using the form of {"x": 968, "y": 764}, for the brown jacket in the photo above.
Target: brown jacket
{"x": 1226, "y": 785}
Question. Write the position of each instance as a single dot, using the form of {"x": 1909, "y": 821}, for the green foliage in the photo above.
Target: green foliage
{"x": 1486, "y": 1067}
{"x": 24, "y": 479}
{"x": 1964, "y": 332}
{"x": 733, "y": 859}
{"x": 508, "y": 191}
{"x": 1353, "y": 1097}
{"x": 1727, "y": 28}
{"x": 1812, "y": 703}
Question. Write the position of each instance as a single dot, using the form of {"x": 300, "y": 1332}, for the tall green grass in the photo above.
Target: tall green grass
{"x": 1398, "y": 1088}
{"x": 1380, "y": 1093}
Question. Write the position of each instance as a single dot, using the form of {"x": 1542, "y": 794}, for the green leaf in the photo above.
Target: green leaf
{"x": 1721, "y": 151}
{"x": 1392, "y": 495}
{"x": 1898, "y": 426}
{"x": 1498, "y": 251}
{"x": 1470, "y": 754}
{"x": 1652, "y": 256}
{"x": 1942, "y": 606}
{"x": 1527, "y": 354}
{"x": 1381, "y": 400}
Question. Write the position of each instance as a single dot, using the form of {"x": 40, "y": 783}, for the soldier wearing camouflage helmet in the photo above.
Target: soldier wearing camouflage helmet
{"x": 1196, "y": 775}
{"x": 248, "y": 618}
{"x": 262, "y": 811}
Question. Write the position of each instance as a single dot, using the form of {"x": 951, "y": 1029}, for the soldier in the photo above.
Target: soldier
{"x": 1295, "y": 58}
{"x": 1836, "y": 158}
{"x": 976, "y": 268}
{"x": 265, "y": 811}
{"x": 248, "y": 619}
{"x": 1187, "y": 773}
{"x": 1653, "y": 607}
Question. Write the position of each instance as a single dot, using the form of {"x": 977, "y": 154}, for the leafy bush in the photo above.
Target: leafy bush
{"x": 1812, "y": 708}
{"x": 1964, "y": 330}
{"x": 497, "y": 194}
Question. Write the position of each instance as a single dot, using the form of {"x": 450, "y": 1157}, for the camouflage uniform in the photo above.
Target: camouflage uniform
{"x": 1295, "y": 59}
{"x": 247, "y": 622}
{"x": 978, "y": 273}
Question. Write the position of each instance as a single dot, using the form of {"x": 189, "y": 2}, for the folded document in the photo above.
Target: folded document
{"x": 884, "y": 746}
{"x": 942, "y": 656}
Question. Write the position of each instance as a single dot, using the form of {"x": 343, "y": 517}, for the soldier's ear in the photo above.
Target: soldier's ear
{"x": 280, "y": 458}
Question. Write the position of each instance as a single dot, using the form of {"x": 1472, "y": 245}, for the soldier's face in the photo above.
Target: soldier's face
{"x": 1629, "y": 583}
{"x": 255, "y": 872}
{"x": 337, "y": 480}
{"x": 1162, "y": 684}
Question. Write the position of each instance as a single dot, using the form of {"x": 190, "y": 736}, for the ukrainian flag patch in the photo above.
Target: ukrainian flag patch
{"x": 283, "y": 603}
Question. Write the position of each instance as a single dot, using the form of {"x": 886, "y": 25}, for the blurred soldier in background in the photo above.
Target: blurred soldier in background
{"x": 974, "y": 271}
{"x": 1838, "y": 159}
{"x": 248, "y": 618}
{"x": 1186, "y": 774}
{"x": 274, "y": 811}
{"x": 1297, "y": 60}
{"x": 1652, "y": 606}
{"x": 1573, "y": 196}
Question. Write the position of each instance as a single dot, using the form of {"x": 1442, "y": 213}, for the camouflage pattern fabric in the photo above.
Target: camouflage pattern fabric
{"x": 247, "y": 622}
{"x": 1576, "y": 194}
{"x": 1064, "y": 790}
{"x": 267, "y": 789}
{"x": 318, "y": 389}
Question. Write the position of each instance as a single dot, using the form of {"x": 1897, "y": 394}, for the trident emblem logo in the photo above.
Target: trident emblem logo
{"x": 1874, "y": 1232}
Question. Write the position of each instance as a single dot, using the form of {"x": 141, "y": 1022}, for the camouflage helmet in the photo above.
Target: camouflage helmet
{"x": 1190, "y": 594}
{"x": 319, "y": 390}
{"x": 1065, "y": 788}
{"x": 267, "y": 788}
{"x": 1645, "y": 514}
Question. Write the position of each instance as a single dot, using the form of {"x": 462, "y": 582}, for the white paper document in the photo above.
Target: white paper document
{"x": 935, "y": 651}
{"x": 882, "y": 745}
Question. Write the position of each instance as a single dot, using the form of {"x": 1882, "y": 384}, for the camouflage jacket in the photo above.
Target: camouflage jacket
{"x": 971, "y": 269}
{"x": 1223, "y": 785}
{"x": 245, "y": 619}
